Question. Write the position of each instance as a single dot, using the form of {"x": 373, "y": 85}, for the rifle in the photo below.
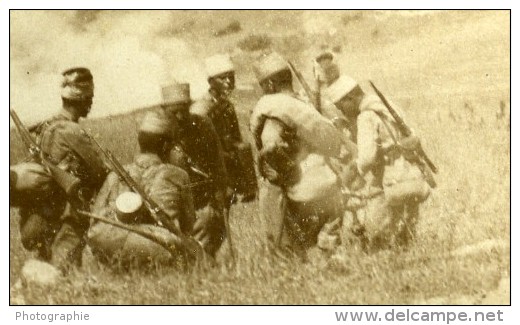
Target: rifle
{"x": 157, "y": 213}
{"x": 169, "y": 245}
{"x": 403, "y": 128}
{"x": 192, "y": 166}
{"x": 317, "y": 85}
{"x": 313, "y": 95}
{"x": 66, "y": 181}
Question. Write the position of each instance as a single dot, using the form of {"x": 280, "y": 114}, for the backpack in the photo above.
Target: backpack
{"x": 403, "y": 180}
{"x": 37, "y": 182}
{"x": 33, "y": 183}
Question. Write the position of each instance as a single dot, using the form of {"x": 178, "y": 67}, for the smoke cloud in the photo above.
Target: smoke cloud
{"x": 127, "y": 51}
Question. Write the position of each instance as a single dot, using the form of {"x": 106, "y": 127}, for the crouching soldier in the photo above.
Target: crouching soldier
{"x": 49, "y": 223}
{"x": 388, "y": 160}
{"x": 165, "y": 184}
{"x": 217, "y": 107}
{"x": 295, "y": 143}
{"x": 197, "y": 150}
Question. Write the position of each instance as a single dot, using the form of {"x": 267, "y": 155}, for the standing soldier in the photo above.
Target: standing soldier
{"x": 217, "y": 107}
{"x": 165, "y": 184}
{"x": 326, "y": 72}
{"x": 51, "y": 225}
{"x": 295, "y": 143}
{"x": 197, "y": 150}
{"x": 388, "y": 158}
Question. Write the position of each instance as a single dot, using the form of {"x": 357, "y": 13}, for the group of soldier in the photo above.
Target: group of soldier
{"x": 319, "y": 161}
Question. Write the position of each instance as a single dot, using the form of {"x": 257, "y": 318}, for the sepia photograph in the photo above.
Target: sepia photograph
{"x": 260, "y": 157}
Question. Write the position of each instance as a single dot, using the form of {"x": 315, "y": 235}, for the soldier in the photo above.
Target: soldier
{"x": 197, "y": 150}
{"x": 49, "y": 224}
{"x": 294, "y": 143}
{"x": 382, "y": 150}
{"x": 166, "y": 184}
{"x": 217, "y": 107}
{"x": 326, "y": 70}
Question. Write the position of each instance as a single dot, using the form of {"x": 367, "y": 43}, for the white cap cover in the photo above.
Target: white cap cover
{"x": 218, "y": 64}
{"x": 340, "y": 88}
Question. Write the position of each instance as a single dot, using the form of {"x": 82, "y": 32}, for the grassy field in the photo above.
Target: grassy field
{"x": 450, "y": 73}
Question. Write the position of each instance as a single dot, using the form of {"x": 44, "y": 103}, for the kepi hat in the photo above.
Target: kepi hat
{"x": 218, "y": 64}
{"x": 176, "y": 93}
{"x": 324, "y": 56}
{"x": 340, "y": 88}
{"x": 77, "y": 84}
{"x": 268, "y": 65}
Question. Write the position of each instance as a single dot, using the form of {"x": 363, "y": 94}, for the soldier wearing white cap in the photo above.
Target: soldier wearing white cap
{"x": 216, "y": 106}
{"x": 380, "y": 145}
{"x": 294, "y": 143}
{"x": 49, "y": 224}
{"x": 166, "y": 184}
{"x": 198, "y": 151}
{"x": 326, "y": 72}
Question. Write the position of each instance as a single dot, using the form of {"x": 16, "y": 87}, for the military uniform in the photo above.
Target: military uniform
{"x": 51, "y": 225}
{"x": 216, "y": 107}
{"x": 294, "y": 143}
{"x": 198, "y": 151}
{"x": 222, "y": 115}
{"x": 376, "y": 150}
{"x": 166, "y": 185}
{"x": 198, "y": 148}
{"x": 377, "y": 136}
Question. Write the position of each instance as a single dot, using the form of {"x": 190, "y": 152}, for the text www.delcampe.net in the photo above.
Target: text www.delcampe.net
{"x": 419, "y": 316}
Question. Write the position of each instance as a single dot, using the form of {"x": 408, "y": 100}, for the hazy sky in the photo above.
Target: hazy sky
{"x": 124, "y": 50}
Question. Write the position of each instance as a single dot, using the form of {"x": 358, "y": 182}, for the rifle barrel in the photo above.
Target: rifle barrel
{"x": 312, "y": 96}
{"x": 25, "y": 135}
{"x": 141, "y": 232}
{"x": 404, "y": 128}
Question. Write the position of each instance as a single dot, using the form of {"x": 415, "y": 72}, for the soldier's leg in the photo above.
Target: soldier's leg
{"x": 272, "y": 213}
{"x": 292, "y": 240}
{"x": 67, "y": 248}
{"x": 330, "y": 212}
{"x": 390, "y": 217}
{"x": 247, "y": 180}
{"x": 209, "y": 229}
{"x": 316, "y": 223}
{"x": 232, "y": 168}
{"x": 407, "y": 231}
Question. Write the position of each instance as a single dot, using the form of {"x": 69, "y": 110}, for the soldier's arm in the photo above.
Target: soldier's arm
{"x": 188, "y": 207}
{"x": 271, "y": 155}
{"x": 174, "y": 199}
{"x": 310, "y": 126}
{"x": 103, "y": 198}
{"x": 368, "y": 141}
{"x": 235, "y": 136}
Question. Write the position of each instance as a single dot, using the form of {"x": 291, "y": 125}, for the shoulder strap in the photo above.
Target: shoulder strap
{"x": 387, "y": 127}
